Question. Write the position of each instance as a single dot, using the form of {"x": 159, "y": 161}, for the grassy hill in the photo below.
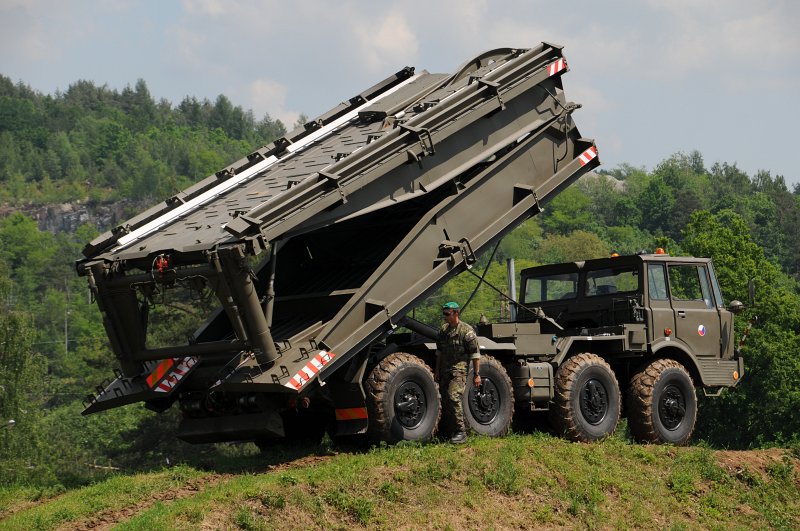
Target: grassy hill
{"x": 522, "y": 481}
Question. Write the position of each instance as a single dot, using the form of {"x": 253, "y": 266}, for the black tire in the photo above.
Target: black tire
{"x": 490, "y": 409}
{"x": 661, "y": 404}
{"x": 586, "y": 405}
{"x": 402, "y": 400}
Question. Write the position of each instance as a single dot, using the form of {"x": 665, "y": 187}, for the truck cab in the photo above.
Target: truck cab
{"x": 674, "y": 301}
{"x": 645, "y": 330}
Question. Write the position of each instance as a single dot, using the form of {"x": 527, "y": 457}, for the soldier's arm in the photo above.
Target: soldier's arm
{"x": 473, "y": 349}
{"x": 471, "y": 345}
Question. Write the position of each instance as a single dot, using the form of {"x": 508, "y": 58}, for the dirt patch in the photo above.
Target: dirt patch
{"x": 21, "y": 506}
{"x": 214, "y": 520}
{"x": 301, "y": 462}
{"x": 27, "y": 504}
{"x": 107, "y": 519}
{"x": 742, "y": 462}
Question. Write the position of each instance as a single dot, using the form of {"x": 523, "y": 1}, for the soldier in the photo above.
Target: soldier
{"x": 456, "y": 345}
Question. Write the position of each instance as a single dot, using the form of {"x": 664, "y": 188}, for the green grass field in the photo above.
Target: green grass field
{"x": 521, "y": 481}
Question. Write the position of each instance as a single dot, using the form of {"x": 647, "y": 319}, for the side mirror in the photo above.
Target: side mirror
{"x": 736, "y": 307}
{"x": 751, "y": 291}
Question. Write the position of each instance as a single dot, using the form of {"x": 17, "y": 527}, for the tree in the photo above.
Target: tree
{"x": 521, "y": 242}
{"x": 680, "y": 168}
{"x": 627, "y": 239}
{"x": 22, "y": 374}
{"x": 578, "y": 245}
{"x": 656, "y": 203}
{"x": 268, "y": 129}
{"x": 730, "y": 186}
{"x": 605, "y": 193}
{"x": 139, "y": 106}
{"x": 778, "y": 234}
{"x": 762, "y": 409}
{"x": 567, "y": 212}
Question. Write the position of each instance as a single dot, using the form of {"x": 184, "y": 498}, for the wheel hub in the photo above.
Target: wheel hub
{"x": 594, "y": 402}
{"x": 410, "y": 405}
{"x": 672, "y": 407}
{"x": 484, "y": 402}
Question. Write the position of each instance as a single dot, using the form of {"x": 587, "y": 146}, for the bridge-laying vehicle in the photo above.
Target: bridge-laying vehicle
{"x": 311, "y": 253}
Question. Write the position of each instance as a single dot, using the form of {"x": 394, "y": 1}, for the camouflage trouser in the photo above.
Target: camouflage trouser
{"x": 453, "y": 384}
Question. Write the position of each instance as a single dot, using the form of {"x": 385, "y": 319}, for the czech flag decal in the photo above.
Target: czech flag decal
{"x": 701, "y": 330}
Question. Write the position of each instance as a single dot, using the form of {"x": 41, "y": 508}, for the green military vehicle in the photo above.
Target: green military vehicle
{"x": 302, "y": 262}
{"x": 592, "y": 339}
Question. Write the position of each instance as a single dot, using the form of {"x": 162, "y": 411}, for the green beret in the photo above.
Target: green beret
{"x": 450, "y": 306}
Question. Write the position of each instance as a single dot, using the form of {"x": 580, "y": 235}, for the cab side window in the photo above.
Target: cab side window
{"x": 701, "y": 270}
{"x": 690, "y": 283}
{"x": 657, "y": 281}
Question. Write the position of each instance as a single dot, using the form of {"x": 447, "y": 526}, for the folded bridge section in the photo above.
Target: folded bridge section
{"x": 318, "y": 244}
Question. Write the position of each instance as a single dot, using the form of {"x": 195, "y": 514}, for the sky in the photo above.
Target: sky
{"x": 655, "y": 77}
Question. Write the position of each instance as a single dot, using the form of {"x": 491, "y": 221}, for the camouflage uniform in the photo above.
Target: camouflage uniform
{"x": 455, "y": 346}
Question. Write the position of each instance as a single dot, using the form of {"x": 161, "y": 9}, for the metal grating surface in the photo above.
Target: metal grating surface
{"x": 205, "y": 225}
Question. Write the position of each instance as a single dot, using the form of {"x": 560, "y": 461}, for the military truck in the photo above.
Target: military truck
{"x": 638, "y": 331}
{"x": 303, "y": 261}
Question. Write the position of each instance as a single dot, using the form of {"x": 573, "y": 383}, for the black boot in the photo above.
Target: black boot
{"x": 459, "y": 438}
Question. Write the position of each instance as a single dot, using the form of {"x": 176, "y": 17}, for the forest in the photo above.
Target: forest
{"x": 94, "y": 145}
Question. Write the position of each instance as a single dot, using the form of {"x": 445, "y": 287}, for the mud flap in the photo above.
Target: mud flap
{"x": 350, "y": 408}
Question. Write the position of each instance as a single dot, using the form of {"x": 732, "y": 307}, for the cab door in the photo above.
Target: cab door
{"x": 696, "y": 316}
{"x": 726, "y": 344}
{"x": 662, "y": 317}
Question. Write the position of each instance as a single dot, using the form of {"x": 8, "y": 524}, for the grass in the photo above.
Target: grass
{"x": 519, "y": 481}
{"x": 14, "y": 497}
{"x": 114, "y": 493}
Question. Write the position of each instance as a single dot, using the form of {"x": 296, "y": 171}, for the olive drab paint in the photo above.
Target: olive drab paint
{"x": 318, "y": 246}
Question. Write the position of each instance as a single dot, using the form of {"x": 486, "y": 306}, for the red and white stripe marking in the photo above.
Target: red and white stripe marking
{"x": 159, "y": 372}
{"x": 556, "y": 67}
{"x": 311, "y": 368}
{"x": 587, "y": 156}
{"x": 176, "y": 375}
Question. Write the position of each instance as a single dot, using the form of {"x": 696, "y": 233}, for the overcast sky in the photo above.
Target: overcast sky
{"x": 654, "y": 76}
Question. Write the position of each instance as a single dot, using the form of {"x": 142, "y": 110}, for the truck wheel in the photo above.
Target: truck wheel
{"x": 489, "y": 410}
{"x": 586, "y": 405}
{"x": 402, "y": 400}
{"x": 661, "y": 404}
